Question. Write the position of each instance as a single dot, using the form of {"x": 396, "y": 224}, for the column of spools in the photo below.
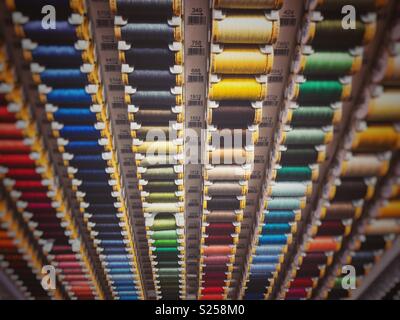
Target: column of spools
{"x": 378, "y": 134}
{"x": 29, "y": 178}
{"x": 150, "y": 43}
{"x": 241, "y": 57}
{"x": 19, "y": 256}
{"x": 62, "y": 65}
{"x": 327, "y": 69}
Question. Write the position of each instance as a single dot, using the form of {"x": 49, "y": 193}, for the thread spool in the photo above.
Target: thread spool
{"x": 272, "y": 216}
{"x": 245, "y": 29}
{"x": 384, "y": 107}
{"x": 230, "y": 88}
{"x": 227, "y": 173}
{"x": 392, "y": 72}
{"x": 300, "y": 156}
{"x": 224, "y": 203}
{"x": 151, "y": 98}
{"x": 225, "y": 188}
{"x": 382, "y": 227}
{"x": 389, "y": 210}
{"x": 364, "y": 165}
{"x": 341, "y": 210}
{"x": 313, "y": 116}
{"x": 323, "y": 244}
{"x": 160, "y": 173}
{"x": 51, "y": 55}
{"x": 251, "y": 4}
{"x": 289, "y": 189}
{"x": 376, "y": 138}
{"x": 222, "y": 216}
{"x": 323, "y": 91}
{"x": 330, "y": 63}
{"x": 352, "y": 190}
{"x": 288, "y": 173}
{"x": 152, "y": 79}
{"x": 241, "y": 61}
{"x": 152, "y": 8}
{"x": 151, "y": 58}
{"x": 148, "y": 33}
{"x": 320, "y": 36}
{"x": 62, "y": 34}
{"x": 157, "y": 147}
{"x": 240, "y": 116}
{"x": 300, "y": 136}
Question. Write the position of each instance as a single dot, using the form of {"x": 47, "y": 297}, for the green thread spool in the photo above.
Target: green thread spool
{"x": 164, "y": 223}
{"x": 164, "y": 235}
{"x": 169, "y": 250}
{"x": 165, "y": 243}
{"x": 329, "y": 63}
{"x": 299, "y": 156}
{"x": 169, "y": 271}
{"x": 320, "y": 91}
{"x": 294, "y": 174}
{"x": 312, "y": 116}
{"x": 327, "y": 30}
{"x": 288, "y": 189}
{"x": 162, "y": 197}
{"x": 305, "y": 136}
{"x": 162, "y": 173}
{"x": 167, "y": 264}
{"x": 283, "y": 204}
{"x": 154, "y": 186}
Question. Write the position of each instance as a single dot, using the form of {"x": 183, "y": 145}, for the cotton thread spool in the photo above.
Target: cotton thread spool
{"x": 329, "y": 63}
{"x": 299, "y": 156}
{"x": 250, "y": 4}
{"x": 383, "y": 227}
{"x": 237, "y": 89}
{"x": 326, "y": 29}
{"x": 364, "y": 166}
{"x": 306, "y": 136}
{"x": 377, "y": 138}
{"x": 241, "y": 61}
{"x": 148, "y": 33}
{"x": 157, "y": 147}
{"x": 51, "y": 55}
{"x": 392, "y": 72}
{"x": 384, "y": 107}
{"x": 341, "y": 210}
{"x": 313, "y": 116}
{"x": 241, "y": 115}
{"x": 226, "y": 172}
{"x": 389, "y": 210}
{"x": 151, "y": 58}
{"x": 141, "y": 8}
{"x": 63, "y": 33}
{"x": 245, "y": 29}
{"x": 152, "y": 79}
{"x": 289, "y": 189}
{"x": 324, "y": 91}
{"x": 225, "y": 188}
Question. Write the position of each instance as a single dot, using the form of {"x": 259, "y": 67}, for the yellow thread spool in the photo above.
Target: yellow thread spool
{"x": 377, "y": 138}
{"x": 238, "y": 89}
{"x": 241, "y": 61}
